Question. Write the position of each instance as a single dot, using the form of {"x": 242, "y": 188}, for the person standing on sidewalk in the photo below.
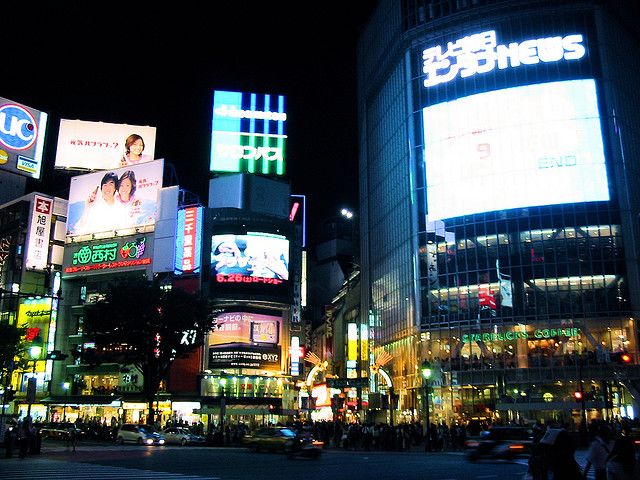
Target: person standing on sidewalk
{"x": 598, "y": 452}
{"x": 622, "y": 464}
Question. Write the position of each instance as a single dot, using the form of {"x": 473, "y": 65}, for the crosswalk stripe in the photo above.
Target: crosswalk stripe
{"x": 30, "y": 468}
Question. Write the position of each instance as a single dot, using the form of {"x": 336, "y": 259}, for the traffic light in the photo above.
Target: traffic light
{"x": 622, "y": 358}
{"x": 577, "y": 395}
{"x": 625, "y": 358}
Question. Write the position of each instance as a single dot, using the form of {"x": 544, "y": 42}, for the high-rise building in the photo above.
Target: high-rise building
{"x": 499, "y": 206}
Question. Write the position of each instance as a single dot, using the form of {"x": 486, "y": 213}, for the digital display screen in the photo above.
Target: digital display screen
{"x": 517, "y": 147}
{"x": 248, "y": 133}
{"x": 255, "y": 258}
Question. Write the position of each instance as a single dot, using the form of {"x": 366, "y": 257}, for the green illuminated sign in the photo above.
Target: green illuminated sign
{"x": 537, "y": 334}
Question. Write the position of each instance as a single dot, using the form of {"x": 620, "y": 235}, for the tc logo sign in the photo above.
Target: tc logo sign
{"x": 18, "y": 130}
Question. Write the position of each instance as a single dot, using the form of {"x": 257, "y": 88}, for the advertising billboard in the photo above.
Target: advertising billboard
{"x": 103, "y": 146}
{"x": 248, "y": 133}
{"x": 22, "y": 134}
{"x": 35, "y": 315}
{"x": 188, "y": 257}
{"x": 245, "y": 339}
{"x": 37, "y": 243}
{"x": 254, "y": 257}
{"x": 118, "y": 254}
{"x": 517, "y": 147}
{"x": 119, "y": 200}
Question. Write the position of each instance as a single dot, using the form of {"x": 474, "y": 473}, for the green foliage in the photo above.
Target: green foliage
{"x": 12, "y": 349}
{"x": 141, "y": 324}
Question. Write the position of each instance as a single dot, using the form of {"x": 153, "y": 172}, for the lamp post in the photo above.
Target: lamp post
{"x": 34, "y": 353}
{"x": 426, "y": 373}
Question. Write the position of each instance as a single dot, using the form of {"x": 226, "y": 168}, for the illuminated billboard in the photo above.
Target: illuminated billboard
{"x": 118, "y": 254}
{"x": 189, "y": 240}
{"x": 253, "y": 258}
{"x": 119, "y": 200}
{"x": 248, "y": 133}
{"x": 103, "y": 146}
{"x": 245, "y": 339}
{"x": 37, "y": 244}
{"x": 35, "y": 315}
{"x": 22, "y": 134}
{"x": 516, "y": 147}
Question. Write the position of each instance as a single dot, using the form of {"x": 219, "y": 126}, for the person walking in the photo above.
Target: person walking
{"x": 622, "y": 464}
{"x": 599, "y": 451}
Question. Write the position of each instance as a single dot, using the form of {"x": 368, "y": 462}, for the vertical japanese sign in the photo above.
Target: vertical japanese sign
{"x": 189, "y": 240}
{"x": 37, "y": 253}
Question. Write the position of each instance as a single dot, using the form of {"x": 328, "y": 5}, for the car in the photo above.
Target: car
{"x": 139, "y": 434}
{"x": 274, "y": 439}
{"x": 59, "y": 431}
{"x": 500, "y": 442}
{"x": 182, "y": 436}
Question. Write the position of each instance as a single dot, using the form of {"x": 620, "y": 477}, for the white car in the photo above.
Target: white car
{"x": 140, "y": 434}
{"x": 182, "y": 436}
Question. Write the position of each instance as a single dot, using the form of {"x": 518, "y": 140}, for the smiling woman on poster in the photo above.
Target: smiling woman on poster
{"x": 134, "y": 146}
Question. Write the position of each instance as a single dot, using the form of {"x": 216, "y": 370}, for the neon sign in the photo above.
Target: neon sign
{"x": 109, "y": 255}
{"x": 480, "y": 53}
{"x": 539, "y": 333}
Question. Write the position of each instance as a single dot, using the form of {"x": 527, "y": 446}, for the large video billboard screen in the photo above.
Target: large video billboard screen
{"x": 517, "y": 147}
{"x": 245, "y": 339}
{"x": 248, "y": 133}
{"x": 22, "y": 134}
{"x": 103, "y": 146}
{"x": 120, "y": 199}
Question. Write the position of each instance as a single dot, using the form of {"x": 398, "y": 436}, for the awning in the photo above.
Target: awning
{"x": 77, "y": 400}
{"x": 238, "y": 410}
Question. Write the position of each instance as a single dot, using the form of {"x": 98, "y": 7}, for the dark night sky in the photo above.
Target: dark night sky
{"x": 161, "y": 68}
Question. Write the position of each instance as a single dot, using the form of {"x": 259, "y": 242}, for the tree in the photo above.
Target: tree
{"x": 141, "y": 324}
{"x": 12, "y": 354}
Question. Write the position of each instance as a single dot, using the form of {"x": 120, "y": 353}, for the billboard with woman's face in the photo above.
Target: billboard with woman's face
{"x": 117, "y": 200}
{"x": 103, "y": 146}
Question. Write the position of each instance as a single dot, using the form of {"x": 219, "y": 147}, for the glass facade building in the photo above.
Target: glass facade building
{"x": 499, "y": 147}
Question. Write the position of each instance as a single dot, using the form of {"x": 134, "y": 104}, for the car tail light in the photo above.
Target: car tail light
{"x": 516, "y": 446}
{"x": 471, "y": 443}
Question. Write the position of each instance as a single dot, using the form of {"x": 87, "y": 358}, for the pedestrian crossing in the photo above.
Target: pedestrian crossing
{"x": 31, "y": 468}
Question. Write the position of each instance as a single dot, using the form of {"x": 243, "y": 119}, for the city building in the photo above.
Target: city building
{"x": 499, "y": 206}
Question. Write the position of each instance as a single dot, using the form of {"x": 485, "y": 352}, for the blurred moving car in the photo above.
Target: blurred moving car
{"x": 182, "y": 436}
{"x": 283, "y": 439}
{"x": 140, "y": 434}
{"x": 499, "y": 442}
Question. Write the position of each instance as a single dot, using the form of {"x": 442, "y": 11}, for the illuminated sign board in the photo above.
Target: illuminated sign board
{"x": 517, "y": 147}
{"x": 103, "y": 146}
{"x": 538, "y": 334}
{"x": 255, "y": 258}
{"x": 35, "y": 316}
{"x": 22, "y": 133}
{"x": 39, "y": 232}
{"x": 245, "y": 327}
{"x": 119, "y": 200}
{"x": 480, "y": 53}
{"x": 122, "y": 253}
{"x": 189, "y": 240}
{"x": 248, "y": 133}
{"x": 246, "y": 356}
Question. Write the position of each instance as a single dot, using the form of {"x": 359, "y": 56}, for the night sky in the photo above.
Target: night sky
{"x": 160, "y": 69}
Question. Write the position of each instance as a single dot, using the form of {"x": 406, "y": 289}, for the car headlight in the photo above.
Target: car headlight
{"x": 149, "y": 441}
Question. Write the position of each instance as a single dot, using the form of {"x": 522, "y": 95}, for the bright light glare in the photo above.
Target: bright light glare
{"x": 346, "y": 213}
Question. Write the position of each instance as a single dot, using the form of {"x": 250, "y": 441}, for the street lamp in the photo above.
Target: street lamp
{"x": 35, "y": 350}
{"x": 426, "y": 374}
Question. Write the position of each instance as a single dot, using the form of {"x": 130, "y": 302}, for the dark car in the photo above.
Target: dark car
{"x": 60, "y": 430}
{"x": 499, "y": 442}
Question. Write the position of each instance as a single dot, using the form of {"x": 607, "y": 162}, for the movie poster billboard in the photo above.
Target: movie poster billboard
{"x": 117, "y": 200}
{"x": 248, "y": 133}
{"x": 22, "y": 133}
{"x": 86, "y": 145}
